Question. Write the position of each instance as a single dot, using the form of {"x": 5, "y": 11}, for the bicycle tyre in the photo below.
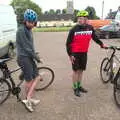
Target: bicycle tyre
{"x": 116, "y": 91}
{"x": 47, "y": 76}
{"x": 5, "y": 90}
{"x": 107, "y": 72}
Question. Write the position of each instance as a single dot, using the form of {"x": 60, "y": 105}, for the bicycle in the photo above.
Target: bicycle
{"x": 8, "y": 85}
{"x": 108, "y": 68}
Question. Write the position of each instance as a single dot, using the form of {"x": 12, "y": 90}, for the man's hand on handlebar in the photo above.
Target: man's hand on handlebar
{"x": 37, "y": 58}
{"x": 104, "y": 46}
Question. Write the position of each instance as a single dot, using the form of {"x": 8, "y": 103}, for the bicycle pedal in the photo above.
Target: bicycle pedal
{"x": 16, "y": 90}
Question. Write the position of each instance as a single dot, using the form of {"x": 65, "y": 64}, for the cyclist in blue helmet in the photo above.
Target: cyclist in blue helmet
{"x": 30, "y": 15}
{"x": 26, "y": 57}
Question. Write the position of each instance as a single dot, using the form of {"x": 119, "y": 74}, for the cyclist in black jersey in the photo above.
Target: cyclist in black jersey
{"x": 77, "y": 45}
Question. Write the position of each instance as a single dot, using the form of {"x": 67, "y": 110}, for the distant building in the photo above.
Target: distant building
{"x": 56, "y": 17}
{"x": 70, "y": 8}
{"x": 69, "y": 15}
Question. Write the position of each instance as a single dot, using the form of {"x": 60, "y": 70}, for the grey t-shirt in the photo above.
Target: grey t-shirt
{"x": 24, "y": 42}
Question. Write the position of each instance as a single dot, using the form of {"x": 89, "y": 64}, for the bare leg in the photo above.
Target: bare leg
{"x": 31, "y": 90}
{"x": 80, "y": 82}
{"x": 80, "y": 75}
{"x": 27, "y": 87}
{"x": 27, "y": 102}
{"x": 75, "y": 76}
{"x": 75, "y": 83}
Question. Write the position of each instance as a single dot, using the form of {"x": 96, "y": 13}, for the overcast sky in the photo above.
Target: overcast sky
{"x": 78, "y": 4}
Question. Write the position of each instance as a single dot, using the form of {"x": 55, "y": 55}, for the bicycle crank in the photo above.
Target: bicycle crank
{"x": 16, "y": 90}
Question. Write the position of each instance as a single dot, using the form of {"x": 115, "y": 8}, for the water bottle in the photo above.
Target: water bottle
{"x": 114, "y": 67}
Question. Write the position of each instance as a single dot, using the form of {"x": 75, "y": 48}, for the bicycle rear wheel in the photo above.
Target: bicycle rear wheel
{"x": 5, "y": 90}
{"x": 117, "y": 91}
{"x": 47, "y": 77}
{"x": 105, "y": 70}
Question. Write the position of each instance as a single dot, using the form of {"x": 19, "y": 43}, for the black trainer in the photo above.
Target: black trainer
{"x": 83, "y": 90}
{"x": 77, "y": 92}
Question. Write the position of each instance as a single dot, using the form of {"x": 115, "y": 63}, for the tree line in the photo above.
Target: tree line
{"x": 21, "y": 5}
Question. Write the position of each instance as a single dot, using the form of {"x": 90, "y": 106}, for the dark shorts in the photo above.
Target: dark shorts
{"x": 80, "y": 61}
{"x": 28, "y": 67}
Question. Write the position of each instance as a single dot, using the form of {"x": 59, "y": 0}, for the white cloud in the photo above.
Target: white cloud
{"x": 5, "y": 2}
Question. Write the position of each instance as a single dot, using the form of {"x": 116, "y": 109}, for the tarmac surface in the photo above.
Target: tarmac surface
{"x": 58, "y": 101}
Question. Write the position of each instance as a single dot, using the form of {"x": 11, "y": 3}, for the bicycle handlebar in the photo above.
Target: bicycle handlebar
{"x": 113, "y": 48}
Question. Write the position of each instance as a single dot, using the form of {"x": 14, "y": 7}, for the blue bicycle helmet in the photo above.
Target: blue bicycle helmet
{"x": 30, "y": 15}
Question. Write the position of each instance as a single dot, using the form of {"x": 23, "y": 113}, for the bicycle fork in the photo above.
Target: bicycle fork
{"x": 116, "y": 78}
{"x": 109, "y": 69}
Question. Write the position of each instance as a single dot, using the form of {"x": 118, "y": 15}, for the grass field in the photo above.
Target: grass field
{"x": 52, "y": 29}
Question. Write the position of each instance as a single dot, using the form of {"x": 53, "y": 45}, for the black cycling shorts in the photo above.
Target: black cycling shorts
{"x": 28, "y": 67}
{"x": 80, "y": 61}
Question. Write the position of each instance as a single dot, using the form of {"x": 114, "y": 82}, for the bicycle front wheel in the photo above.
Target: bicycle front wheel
{"x": 117, "y": 91}
{"x": 105, "y": 70}
{"x": 47, "y": 77}
{"x": 5, "y": 90}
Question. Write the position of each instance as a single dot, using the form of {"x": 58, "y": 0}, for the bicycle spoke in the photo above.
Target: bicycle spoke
{"x": 105, "y": 71}
{"x": 41, "y": 73}
{"x": 47, "y": 77}
{"x": 4, "y": 90}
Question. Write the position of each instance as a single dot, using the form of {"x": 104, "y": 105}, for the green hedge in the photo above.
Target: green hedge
{"x": 52, "y": 29}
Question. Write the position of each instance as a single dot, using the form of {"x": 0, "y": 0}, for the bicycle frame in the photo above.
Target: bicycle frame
{"x": 15, "y": 88}
{"x": 7, "y": 75}
{"x": 117, "y": 75}
{"x": 113, "y": 76}
{"x": 111, "y": 63}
